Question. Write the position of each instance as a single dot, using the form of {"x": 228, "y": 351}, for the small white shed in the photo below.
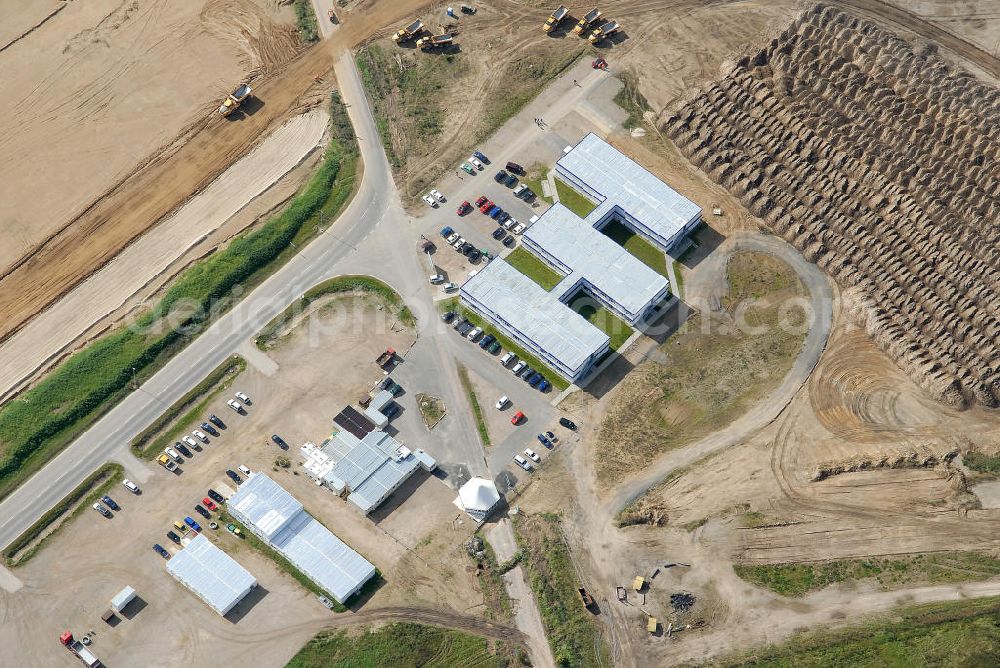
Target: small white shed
{"x": 122, "y": 599}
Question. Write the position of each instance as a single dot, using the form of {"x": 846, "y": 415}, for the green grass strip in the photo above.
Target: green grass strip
{"x": 305, "y": 17}
{"x": 153, "y": 438}
{"x": 525, "y": 262}
{"x": 339, "y": 285}
{"x": 477, "y": 411}
{"x": 96, "y": 485}
{"x": 573, "y": 200}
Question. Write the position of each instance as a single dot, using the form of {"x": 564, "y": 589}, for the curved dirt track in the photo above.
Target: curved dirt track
{"x": 173, "y": 176}
{"x": 442, "y": 618}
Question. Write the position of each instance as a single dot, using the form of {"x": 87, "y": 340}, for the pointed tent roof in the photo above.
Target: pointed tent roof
{"x": 479, "y": 494}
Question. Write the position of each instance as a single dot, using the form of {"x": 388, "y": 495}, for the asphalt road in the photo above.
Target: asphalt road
{"x": 108, "y": 438}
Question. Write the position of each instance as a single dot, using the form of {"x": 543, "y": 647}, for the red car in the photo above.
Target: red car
{"x": 486, "y": 206}
{"x": 208, "y": 503}
{"x": 464, "y": 208}
{"x": 481, "y": 201}
{"x": 518, "y": 416}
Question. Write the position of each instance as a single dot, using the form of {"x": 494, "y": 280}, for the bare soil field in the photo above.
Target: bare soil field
{"x": 865, "y": 186}
{"x": 192, "y": 160}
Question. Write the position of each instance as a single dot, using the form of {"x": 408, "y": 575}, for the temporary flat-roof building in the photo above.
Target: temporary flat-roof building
{"x": 626, "y": 191}
{"x": 536, "y": 319}
{"x": 278, "y": 519}
{"x": 592, "y": 262}
{"x": 211, "y": 574}
{"x": 369, "y": 468}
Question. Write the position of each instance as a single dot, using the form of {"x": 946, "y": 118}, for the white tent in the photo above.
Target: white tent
{"x": 478, "y": 498}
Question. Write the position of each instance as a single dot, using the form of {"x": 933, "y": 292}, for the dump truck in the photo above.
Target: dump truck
{"x": 409, "y": 32}
{"x": 235, "y": 99}
{"x": 606, "y": 30}
{"x": 435, "y": 41}
{"x": 585, "y": 597}
{"x": 386, "y": 358}
{"x": 166, "y": 462}
{"x": 588, "y": 20}
{"x": 78, "y": 648}
{"x": 555, "y": 18}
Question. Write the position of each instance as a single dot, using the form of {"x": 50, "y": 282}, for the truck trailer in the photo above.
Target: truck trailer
{"x": 79, "y": 649}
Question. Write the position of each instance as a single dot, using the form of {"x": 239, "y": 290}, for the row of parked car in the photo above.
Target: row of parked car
{"x": 458, "y": 242}
{"x": 173, "y": 455}
{"x": 208, "y": 504}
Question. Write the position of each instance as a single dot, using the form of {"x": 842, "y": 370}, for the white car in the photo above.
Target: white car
{"x": 450, "y": 287}
{"x": 430, "y": 201}
{"x": 174, "y": 455}
{"x": 502, "y": 403}
{"x": 453, "y": 237}
{"x": 244, "y": 398}
{"x": 532, "y": 455}
{"x": 458, "y": 243}
{"x": 130, "y": 486}
{"x": 245, "y": 470}
{"x": 509, "y": 223}
{"x": 519, "y": 367}
{"x": 523, "y": 463}
{"x": 191, "y": 442}
{"x": 474, "y": 334}
{"x": 436, "y": 194}
{"x": 475, "y": 163}
{"x": 519, "y": 228}
{"x": 507, "y": 358}
{"x": 235, "y": 405}
{"x": 200, "y": 435}
{"x": 436, "y": 279}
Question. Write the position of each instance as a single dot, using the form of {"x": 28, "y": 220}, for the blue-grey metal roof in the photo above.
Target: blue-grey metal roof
{"x": 590, "y": 255}
{"x": 537, "y": 314}
{"x": 324, "y": 558}
{"x": 623, "y": 182}
{"x": 371, "y": 468}
{"x": 211, "y": 574}
{"x": 303, "y": 540}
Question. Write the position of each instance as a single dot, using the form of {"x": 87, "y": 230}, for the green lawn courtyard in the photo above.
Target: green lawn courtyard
{"x": 600, "y": 317}
{"x": 529, "y": 265}
{"x": 644, "y": 251}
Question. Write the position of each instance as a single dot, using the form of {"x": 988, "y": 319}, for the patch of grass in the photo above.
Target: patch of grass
{"x": 678, "y": 286}
{"x": 754, "y": 519}
{"x": 431, "y": 409}
{"x": 400, "y": 644}
{"x": 96, "y": 485}
{"x": 48, "y": 417}
{"x": 524, "y": 79}
{"x": 572, "y": 634}
{"x": 490, "y": 576}
{"x": 887, "y": 572}
{"x": 960, "y": 633}
{"x": 350, "y": 284}
{"x": 977, "y": 461}
{"x": 603, "y": 319}
{"x": 558, "y": 382}
{"x": 151, "y": 441}
{"x": 631, "y": 100}
{"x": 573, "y": 200}
{"x": 713, "y": 372}
{"x": 525, "y": 262}
{"x": 642, "y": 250}
{"x": 695, "y": 525}
{"x": 305, "y": 17}
{"x": 477, "y": 410}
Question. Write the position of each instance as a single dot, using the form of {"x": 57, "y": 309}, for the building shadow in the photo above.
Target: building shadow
{"x": 241, "y": 609}
{"x": 705, "y": 239}
{"x": 399, "y": 496}
{"x": 357, "y": 601}
{"x": 609, "y": 377}
{"x": 134, "y": 607}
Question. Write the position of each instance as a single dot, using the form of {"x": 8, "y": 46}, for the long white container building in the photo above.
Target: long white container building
{"x": 211, "y": 574}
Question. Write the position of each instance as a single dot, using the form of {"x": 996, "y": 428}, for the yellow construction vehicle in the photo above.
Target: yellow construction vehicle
{"x": 555, "y": 18}
{"x": 409, "y": 32}
{"x": 606, "y": 30}
{"x": 434, "y": 41}
{"x": 235, "y": 99}
{"x": 588, "y": 20}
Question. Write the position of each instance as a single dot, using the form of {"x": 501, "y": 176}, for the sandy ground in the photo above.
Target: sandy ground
{"x": 142, "y": 262}
{"x": 415, "y": 540}
{"x": 93, "y": 91}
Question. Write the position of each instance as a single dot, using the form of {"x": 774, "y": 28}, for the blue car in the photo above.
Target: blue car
{"x": 447, "y": 232}
{"x": 535, "y": 380}
{"x": 492, "y": 210}
{"x": 544, "y": 441}
{"x": 392, "y": 410}
{"x": 191, "y": 523}
{"x": 544, "y": 385}
{"x": 110, "y": 503}
{"x": 496, "y": 214}
{"x": 481, "y": 157}
{"x": 160, "y": 551}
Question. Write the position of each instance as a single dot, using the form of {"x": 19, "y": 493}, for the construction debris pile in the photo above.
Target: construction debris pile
{"x": 879, "y": 163}
{"x": 681, "y": 602}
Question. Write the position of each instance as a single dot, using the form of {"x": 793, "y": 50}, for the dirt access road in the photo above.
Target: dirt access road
{"x": 170, "y": 178}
